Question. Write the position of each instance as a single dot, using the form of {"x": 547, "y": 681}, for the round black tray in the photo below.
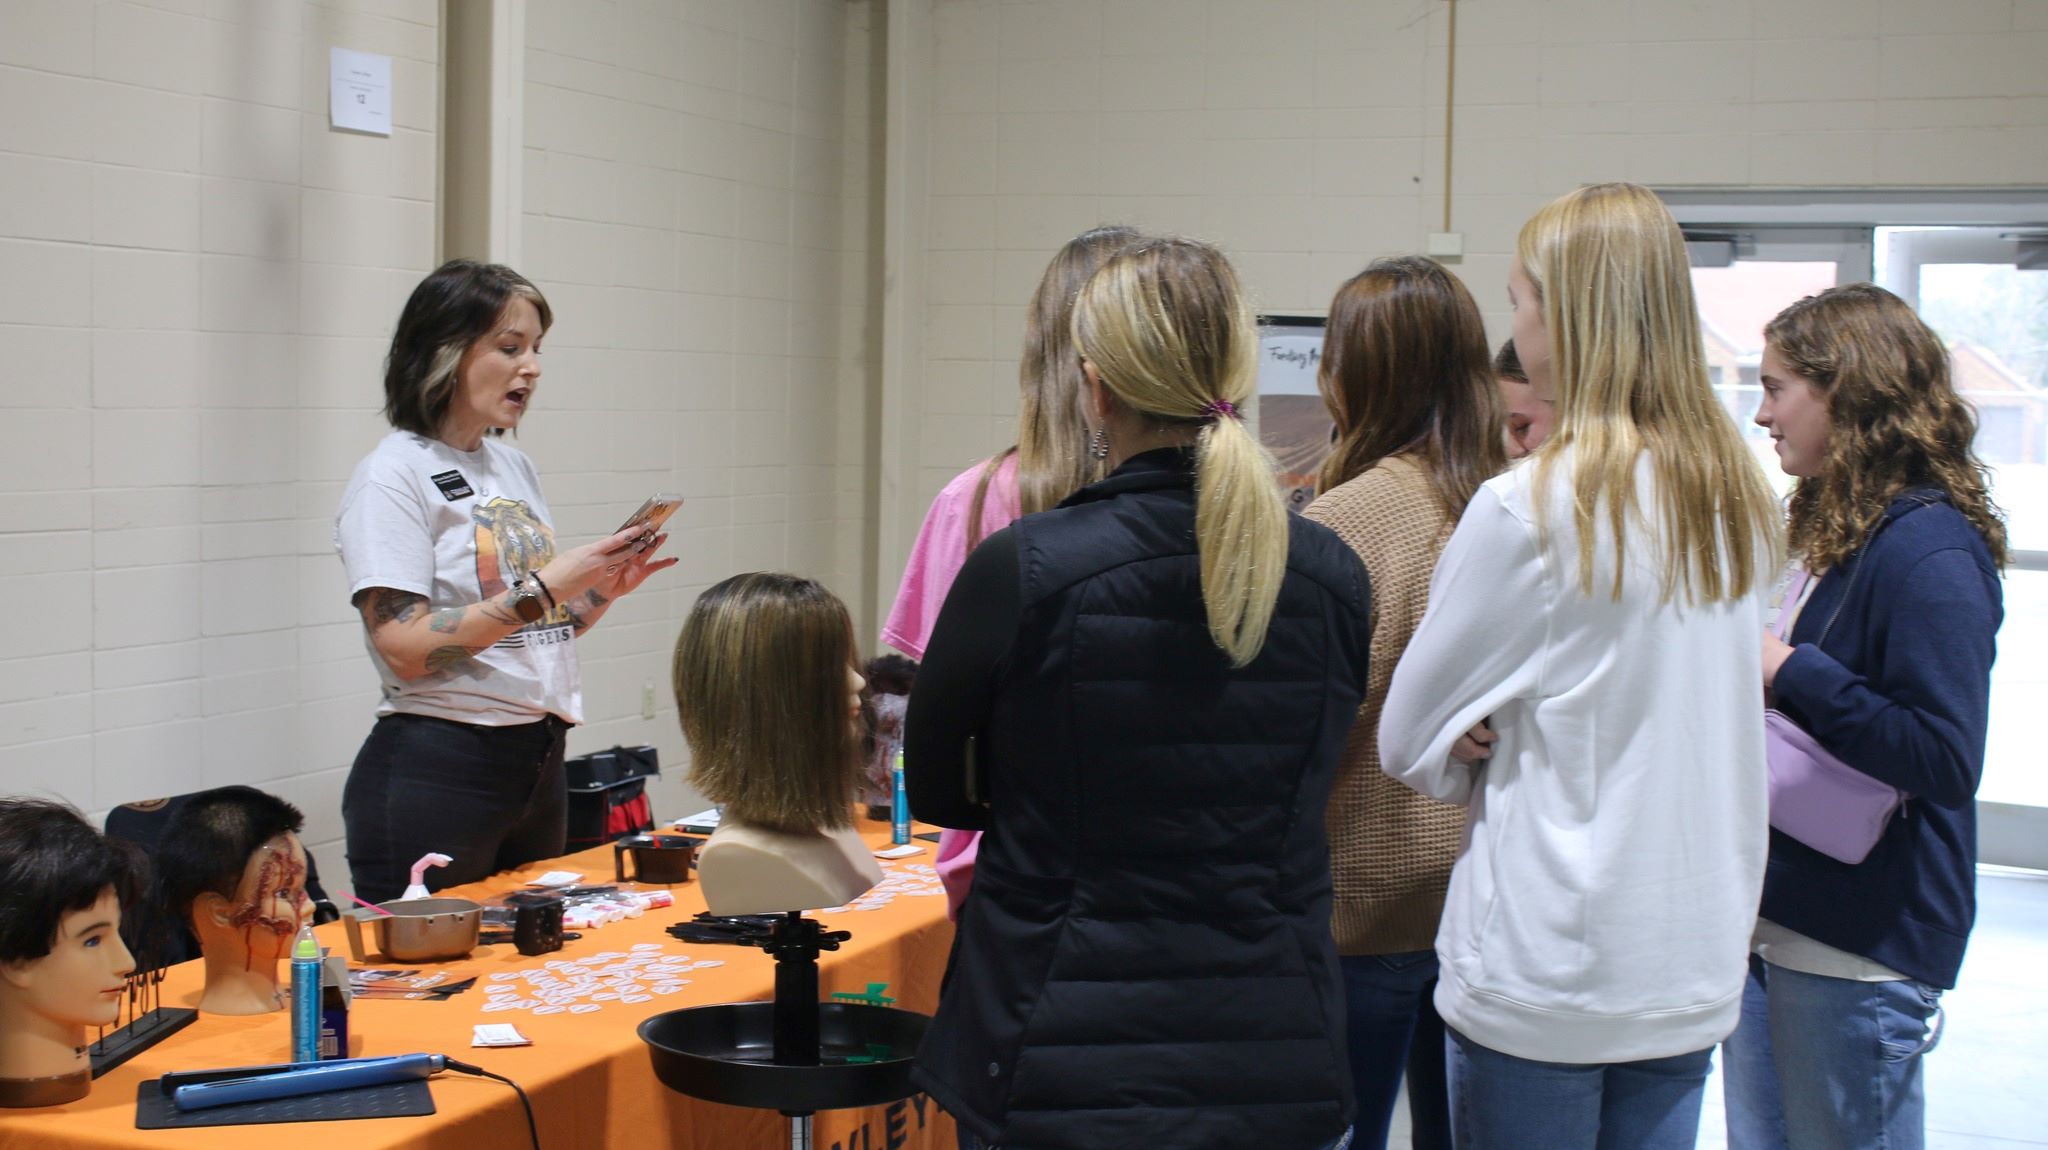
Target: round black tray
{"x": 726, "y": 1053}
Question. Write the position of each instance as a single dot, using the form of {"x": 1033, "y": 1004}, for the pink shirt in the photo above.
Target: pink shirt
{"x": 942, "y": 546}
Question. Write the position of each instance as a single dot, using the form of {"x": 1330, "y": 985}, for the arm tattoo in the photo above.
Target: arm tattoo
{"x": 387, "y": 606}
{"x": 442, "y": 658}
{"x": 499, "y": 613}
{"x": 445, "y": 620}
{"x": 590, "y": 600}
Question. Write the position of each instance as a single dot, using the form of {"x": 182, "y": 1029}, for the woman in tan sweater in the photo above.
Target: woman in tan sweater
{"x": 1407, "y": 377}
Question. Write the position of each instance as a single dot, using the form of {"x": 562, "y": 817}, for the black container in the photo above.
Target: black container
{"x": 726, "y": 1054}
{"x": 536, "y": 922}
{"x": 657, "y": 859}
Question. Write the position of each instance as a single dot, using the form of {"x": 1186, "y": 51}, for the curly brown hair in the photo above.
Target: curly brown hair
{"x": 1895, "y": 420}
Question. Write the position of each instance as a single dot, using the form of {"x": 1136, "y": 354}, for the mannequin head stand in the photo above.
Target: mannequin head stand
{"x": 770, "y": 703}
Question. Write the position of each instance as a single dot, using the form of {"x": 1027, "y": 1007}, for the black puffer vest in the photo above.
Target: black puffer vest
{"x": 1145, "y": 958}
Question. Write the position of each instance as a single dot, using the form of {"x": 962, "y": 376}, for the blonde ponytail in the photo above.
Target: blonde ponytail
{"x": 1241, "y": 535}
{"x": 1166, "y": 325}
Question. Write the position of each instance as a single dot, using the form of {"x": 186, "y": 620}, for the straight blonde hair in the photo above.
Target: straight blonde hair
{"x": 760, "y": 678}
{"x": 1052, "y": 437}
{"x": 1167, "y": 327}
{"x": 1610, "y": 271}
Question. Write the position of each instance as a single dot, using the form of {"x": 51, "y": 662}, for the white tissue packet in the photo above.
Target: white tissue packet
{"x": 499, "y": 1034}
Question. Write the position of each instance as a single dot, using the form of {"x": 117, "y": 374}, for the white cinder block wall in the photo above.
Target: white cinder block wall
{"x": 1306, "y": 137}
{"x": 197, "y": 280}
{"x": 695, "y": 189}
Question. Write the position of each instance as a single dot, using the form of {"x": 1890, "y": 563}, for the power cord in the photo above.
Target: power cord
{"x": 469, "y": 1068}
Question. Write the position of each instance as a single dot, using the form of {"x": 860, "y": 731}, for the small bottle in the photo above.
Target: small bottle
{"x": 899, "y": 815}
{"x": 305, "y": 1004}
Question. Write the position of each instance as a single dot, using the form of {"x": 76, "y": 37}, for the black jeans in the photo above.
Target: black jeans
{"x": 490, "y": 797}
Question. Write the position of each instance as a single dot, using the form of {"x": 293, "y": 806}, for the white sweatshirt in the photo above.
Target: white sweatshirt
{"x": 1601, "y": 908}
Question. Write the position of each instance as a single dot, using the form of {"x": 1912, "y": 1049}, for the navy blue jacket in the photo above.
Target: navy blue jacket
{"x": 1145, "y": 956}
{"x": 1900, "y": 692}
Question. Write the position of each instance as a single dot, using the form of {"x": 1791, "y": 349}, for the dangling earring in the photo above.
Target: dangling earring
{"x": 1098, "y": 444}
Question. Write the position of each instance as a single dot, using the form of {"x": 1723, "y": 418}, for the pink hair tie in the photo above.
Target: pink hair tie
{"x": 1216, "y": 409}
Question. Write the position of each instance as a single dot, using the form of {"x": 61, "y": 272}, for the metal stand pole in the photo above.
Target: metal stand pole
{"x": 800, "y": 1132}
{"x": 796, "y": 991}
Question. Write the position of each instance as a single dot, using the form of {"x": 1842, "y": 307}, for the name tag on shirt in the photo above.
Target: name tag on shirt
{"x": 453, "y": 486}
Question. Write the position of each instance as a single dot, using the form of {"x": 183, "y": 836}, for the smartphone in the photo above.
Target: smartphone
{"x": 653, "y": 513}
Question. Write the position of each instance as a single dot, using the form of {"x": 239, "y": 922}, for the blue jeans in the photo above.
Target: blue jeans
{"x": 1500, "y": 1102}
{"x": 1824, "y": 1063}
{"x": 1392, "y": 1030}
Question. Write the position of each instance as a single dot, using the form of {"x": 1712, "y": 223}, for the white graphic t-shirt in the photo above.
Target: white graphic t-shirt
{"x": 460, "y": 527}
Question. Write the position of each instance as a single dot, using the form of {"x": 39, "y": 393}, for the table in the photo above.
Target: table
{"x": 588, "y": 1074}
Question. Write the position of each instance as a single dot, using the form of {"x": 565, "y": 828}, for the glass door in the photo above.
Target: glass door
{"x": 1985, "y": 291}
{"x": 1743, "y": 276}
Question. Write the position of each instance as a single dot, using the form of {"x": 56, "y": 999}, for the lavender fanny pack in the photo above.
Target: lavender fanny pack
{"x": 1815, "y": 797}
{"x": 1821, "y": 800}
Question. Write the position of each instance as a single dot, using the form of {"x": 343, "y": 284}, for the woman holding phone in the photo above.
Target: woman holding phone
{"x": 469, "y": 613}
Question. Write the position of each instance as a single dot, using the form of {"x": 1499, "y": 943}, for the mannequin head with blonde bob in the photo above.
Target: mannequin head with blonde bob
{"x": 769, "y": 701}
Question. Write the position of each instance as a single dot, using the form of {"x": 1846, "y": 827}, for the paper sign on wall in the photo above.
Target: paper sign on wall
{"x": 359, "y": 91}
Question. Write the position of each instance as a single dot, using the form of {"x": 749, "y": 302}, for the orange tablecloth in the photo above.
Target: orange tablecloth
{"x": 588, "y": 1074}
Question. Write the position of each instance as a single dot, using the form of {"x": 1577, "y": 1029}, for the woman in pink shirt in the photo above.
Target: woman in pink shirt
{"x": 1051, "y": 458}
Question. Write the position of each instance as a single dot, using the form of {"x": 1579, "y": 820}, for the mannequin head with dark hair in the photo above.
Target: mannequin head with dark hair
{"x": 232, "y": 866}
{"x": 62, "y": 962}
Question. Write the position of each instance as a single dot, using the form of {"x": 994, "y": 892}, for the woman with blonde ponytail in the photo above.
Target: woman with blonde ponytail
{"x": 1584, "y": 679}
{"x": 1141, "y": 697}
{"x": 1047, "y": 463}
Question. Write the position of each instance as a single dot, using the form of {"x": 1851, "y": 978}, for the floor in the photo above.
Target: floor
{"x": 1987, "y": 1083}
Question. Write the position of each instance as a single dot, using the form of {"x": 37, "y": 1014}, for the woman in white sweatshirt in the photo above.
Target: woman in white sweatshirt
{"x": 1597, "y": 608}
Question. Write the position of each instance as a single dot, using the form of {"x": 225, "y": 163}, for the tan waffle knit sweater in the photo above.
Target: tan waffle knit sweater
{"x": 1390, "y": 848}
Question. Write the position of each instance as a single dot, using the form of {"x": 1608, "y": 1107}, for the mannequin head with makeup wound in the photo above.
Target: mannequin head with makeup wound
{"x": 63, "y": 965}
{"x": 231, "y": 865}
{"x": 770, "y": 704}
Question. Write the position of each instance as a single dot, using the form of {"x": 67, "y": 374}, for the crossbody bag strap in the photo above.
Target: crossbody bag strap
{"x": 1862, "y": 553}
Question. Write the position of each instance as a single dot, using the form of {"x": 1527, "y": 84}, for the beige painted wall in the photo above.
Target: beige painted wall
{"x": 695, "y": 207}
{"x": 197, "y": 280}
{"x": 197, "y": 284}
